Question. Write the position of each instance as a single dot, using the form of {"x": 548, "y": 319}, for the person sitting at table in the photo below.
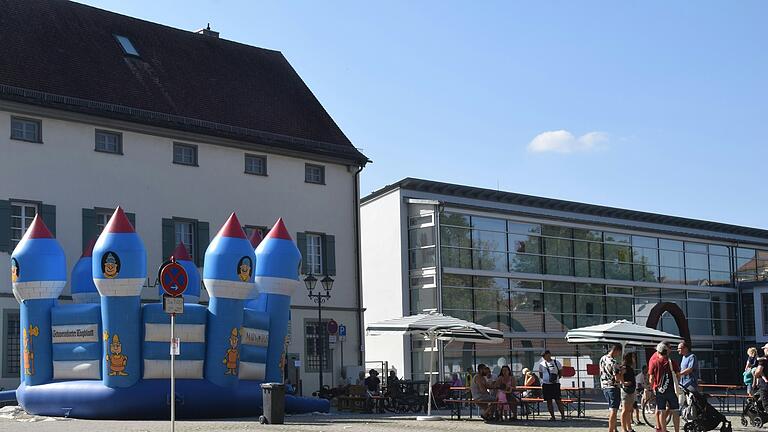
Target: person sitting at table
{"x": 530, "y": 380}
{"x": 456, "y": 380}
{"x": 372, "y": 387}
{"x": 480, "y": 392}
{"x": 507, "y": 401}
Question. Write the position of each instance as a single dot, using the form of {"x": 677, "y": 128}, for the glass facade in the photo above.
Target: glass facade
{"x": 536, "y": 280}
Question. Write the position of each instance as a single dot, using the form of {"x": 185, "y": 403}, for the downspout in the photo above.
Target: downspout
{"x": 358, "y": 268}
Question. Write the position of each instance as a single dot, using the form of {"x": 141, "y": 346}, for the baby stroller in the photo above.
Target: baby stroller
{"x": 753, "y": 413}
{"x": 700, "y": 416}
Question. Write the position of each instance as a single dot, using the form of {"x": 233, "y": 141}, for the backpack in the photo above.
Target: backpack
{"x": 748, "y": 377}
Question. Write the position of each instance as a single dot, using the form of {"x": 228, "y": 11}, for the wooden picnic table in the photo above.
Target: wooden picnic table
{"x": 723, "y": 398}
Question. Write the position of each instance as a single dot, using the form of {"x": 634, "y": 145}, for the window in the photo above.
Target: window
{"x": 185, "y": 154}
{"x": 24, "y": 129}
{"x": 256, "y": 165}
{"x": 316, "y": 346}
{"x": 314, "y": 174}
{"x": 22, "y": 215}
{"x": 314, "y": 254}
{"x": 127, "y": 45}
{"x": 102, "y": 218}
{"x": 12, "y": 360}
{"x": 184, "y": 232}
{"x": 109, "y": 142}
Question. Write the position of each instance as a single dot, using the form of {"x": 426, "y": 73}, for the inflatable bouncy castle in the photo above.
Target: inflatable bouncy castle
{"x": 107, "y": 356}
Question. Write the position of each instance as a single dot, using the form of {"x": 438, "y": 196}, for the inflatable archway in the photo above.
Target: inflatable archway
{"x": 107, "y": 355}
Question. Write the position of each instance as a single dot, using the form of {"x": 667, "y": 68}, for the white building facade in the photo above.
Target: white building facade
{"x": 76, "y": 161}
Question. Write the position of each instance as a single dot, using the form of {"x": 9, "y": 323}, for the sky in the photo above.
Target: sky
{"x": 655, "y": 106}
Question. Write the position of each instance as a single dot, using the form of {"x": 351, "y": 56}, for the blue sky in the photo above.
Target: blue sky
{"x": 655, "y": 106}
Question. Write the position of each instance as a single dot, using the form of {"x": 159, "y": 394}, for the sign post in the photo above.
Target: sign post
{"x": 173, "y": 279}
{"x": 342, "y": 337}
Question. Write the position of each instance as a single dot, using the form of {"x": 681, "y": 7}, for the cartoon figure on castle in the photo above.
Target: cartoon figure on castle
{"x": 116, "y": 359}
{"x": 29, "y": 354}
{"x": 14, "y": 270}
{"x": 233, "y": 354}
{"x": 244, "y": 269}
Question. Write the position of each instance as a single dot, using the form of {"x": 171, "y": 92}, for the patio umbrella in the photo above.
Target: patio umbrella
{"x": 434, "y": 326}
{"x": 621, "y": 332}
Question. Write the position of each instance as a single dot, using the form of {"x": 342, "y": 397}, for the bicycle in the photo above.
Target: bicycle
{"x": 648, "y": 408}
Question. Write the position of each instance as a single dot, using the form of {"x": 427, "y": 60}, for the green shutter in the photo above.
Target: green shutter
{"x": 48, "y": 213}
{"x": 329, "y": 254}
{"x": 168, "y": 239}
{"x": 203, "y": 237}
{"x": 131, "y": 218}
{"x": 301, "y": 243}
{"x": 89, "y": 226}
{"x": 5, "y": 226}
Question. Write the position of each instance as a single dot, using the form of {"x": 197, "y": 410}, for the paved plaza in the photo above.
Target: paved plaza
{"x": 318, "y": 422}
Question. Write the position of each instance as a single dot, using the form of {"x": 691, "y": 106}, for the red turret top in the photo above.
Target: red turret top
{"x": 256, "y": 238}
{"x": 88, "y": 251}
{"x": 119, "y": 223}
{"x": 37, "y": 230}
{"x": 232, "y": 228}
{"x": 279, "y": 231}
{"x": 181, "y": 254}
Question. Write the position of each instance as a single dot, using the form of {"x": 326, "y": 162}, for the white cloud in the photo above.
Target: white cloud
{"x": 562, "y": 141}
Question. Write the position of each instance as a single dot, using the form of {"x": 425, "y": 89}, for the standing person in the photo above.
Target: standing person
{"x": 609, "y": 382}
{"x": 760, "y": 386}
{"x": 641, "y": 392}
{"x": 549, "y": 371}
{"x": 456, "y": 381}
{"x": 749, "y": 369}
{"x": 689, "y": 367}
{"x": 507, "y": 401}
{"x": 628, "y": 389}
{"x": 661, "y": 372}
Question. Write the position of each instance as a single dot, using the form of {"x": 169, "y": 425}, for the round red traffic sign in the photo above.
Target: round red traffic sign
{"x": 173, "y": 279}
{"x": 333, "y": 327}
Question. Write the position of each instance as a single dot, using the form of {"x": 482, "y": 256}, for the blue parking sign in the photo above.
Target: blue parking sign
{"x": 342, "y": 330}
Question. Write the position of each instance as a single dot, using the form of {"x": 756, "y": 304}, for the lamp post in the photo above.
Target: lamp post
{"x": 320, "y": 297}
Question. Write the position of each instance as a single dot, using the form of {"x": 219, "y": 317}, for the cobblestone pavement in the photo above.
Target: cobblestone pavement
{"x": 342, "y": 422}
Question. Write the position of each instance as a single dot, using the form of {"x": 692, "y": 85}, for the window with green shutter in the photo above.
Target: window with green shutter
{"x": 318, "y": 253}
{"x": 193, "y": 233}
{"x": 95, "y": 219}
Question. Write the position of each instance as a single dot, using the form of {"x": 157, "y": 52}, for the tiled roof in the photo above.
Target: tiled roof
{"x": 65, "y": 55}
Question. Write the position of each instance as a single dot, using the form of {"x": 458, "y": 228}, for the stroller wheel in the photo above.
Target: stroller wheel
{"x": 744, "y": 421}
{"x": 757, "y": 422}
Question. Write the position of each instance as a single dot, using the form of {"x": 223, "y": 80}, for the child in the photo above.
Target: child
{"x": 504, "y": 409}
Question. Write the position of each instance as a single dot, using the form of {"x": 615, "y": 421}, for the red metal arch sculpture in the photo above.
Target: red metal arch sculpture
{"x": 655, "y": 316}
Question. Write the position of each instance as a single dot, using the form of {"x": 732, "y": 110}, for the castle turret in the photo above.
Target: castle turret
{"x": 276, "y": 278}
{"x": 119, "y": 270}
{"x": 192, "y": 293}
{"x": 82, "y": 287}
{"x": 228, "y": 277}
{"x": 38, "y": 274}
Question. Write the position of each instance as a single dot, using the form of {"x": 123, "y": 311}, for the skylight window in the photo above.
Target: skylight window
{"x": 127, "y": 45}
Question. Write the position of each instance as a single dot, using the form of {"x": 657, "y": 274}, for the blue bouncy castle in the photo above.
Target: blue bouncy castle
{"x": 106, "y": 356}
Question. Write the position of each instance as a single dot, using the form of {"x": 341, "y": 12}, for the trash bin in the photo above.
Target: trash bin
{"x": 273, "y": 402}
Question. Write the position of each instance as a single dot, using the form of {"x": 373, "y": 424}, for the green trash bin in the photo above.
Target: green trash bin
{"x": 273, "y": 402}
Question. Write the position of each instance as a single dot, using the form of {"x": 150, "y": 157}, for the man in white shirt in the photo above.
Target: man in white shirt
{"x": 549, "y": 371}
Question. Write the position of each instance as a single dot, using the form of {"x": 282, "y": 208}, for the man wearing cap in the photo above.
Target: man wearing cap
{"x": 549, "y": 371}
{"x": 662, "y": 371}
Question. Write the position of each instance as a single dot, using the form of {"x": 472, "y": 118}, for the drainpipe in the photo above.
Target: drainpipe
{"x": 358, "y": 267}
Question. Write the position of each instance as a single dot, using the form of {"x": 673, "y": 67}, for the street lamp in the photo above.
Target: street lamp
{"x": 320, "y": 297}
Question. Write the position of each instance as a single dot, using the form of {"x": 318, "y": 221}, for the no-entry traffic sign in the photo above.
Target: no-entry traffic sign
{"x": 173, "y": 279}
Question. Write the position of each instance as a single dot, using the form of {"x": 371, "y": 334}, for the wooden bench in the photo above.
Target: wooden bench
{"x": 526, "y": 407}
{"x": 354, "y": 401}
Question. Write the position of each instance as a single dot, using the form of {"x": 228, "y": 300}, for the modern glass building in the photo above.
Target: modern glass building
{"x": 536, "y": 267}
